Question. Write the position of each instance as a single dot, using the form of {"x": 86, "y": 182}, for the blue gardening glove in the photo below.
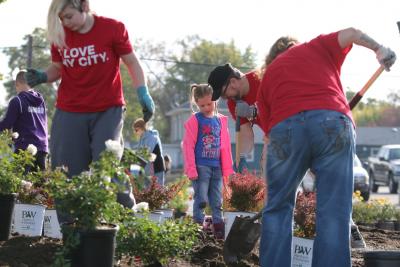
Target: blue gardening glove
{"x": 242, "y": 165}
{"x": 146, "y": 102}
{"x": 244, "y": 110}
{"x": 34, "y": 77}
{"x": 386, "y": 57}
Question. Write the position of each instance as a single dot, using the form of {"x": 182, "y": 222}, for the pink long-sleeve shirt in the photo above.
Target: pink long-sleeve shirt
{"x": 189, "y": 144}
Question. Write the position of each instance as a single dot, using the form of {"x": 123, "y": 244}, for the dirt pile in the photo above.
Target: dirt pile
{"x": 38, "y": 252}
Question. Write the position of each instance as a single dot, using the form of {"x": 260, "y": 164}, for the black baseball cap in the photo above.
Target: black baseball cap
{"x": 219, "y": 77}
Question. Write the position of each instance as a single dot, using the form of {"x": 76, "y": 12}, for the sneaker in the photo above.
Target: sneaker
{"x": 219, "y": 230}
{"x": 207, "y": 224}
{"x": 357, "y": 241}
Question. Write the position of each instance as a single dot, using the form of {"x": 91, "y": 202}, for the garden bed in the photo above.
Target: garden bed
{"x": 37, "y": 252}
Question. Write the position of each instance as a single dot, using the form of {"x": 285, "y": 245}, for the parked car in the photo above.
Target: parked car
{"x": 384, "y": 169}
{"x": 361, "y": 180}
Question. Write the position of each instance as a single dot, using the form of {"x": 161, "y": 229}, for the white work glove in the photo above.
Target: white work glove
{"x": 386, "y": 57}
{"x": 244, "y": 110}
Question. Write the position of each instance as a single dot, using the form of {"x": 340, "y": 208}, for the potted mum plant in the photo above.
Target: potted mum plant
{"x": 156, "y": 195}
{"x": 244, "y": 195}
{"x": 179, "y": 203}
{"x": 304, "y": 215}
{"x": 386, "y": 215}
{"x": 364, "y": 212}
{"x": 89, "y": 202}
{"x": 29, "y": 210}
{"x": 304, "y": 228}
{"x": 12, "y": 169}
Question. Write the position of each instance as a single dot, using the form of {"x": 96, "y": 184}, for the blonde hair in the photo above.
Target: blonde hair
{"x": 139, "y": 124}
{"x": 280, "y": 46}
{"x": 55, "y": 29}
{"x": 198, "y": 91}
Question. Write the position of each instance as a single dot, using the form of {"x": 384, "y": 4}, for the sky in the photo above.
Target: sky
{"x": 255, "y": 23}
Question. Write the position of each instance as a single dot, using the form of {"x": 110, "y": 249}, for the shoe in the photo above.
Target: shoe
{"x": 357, "y": 241}
{"x": 219, "y": 230}
{"x": 207, "y": 224}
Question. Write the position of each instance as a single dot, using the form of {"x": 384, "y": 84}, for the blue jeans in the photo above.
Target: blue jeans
{"x": 324, "y": 141}
{"x": 207, "y": 189}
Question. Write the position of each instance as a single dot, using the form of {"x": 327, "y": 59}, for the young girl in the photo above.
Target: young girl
{"x": 207, "y": 156}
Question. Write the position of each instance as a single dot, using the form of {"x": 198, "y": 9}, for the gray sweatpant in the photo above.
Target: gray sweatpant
{"x": 77, "y": 139}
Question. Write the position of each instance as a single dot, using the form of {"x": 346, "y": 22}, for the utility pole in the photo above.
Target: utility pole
{"x": 29, "y": 52}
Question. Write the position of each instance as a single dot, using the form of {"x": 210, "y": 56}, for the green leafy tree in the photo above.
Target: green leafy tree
{"x": 169, "y": 72}
{"x": 40, "y": 60}
{"x": 196, "y": 58}
{"x": 149, "y": 53}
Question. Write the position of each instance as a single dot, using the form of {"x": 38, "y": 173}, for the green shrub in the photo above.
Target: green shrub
{"x": 180, "y": 201}
{"x": 12, "y": 165}
{"x": 154, "y": 242}
{"x": 373, "y": 211}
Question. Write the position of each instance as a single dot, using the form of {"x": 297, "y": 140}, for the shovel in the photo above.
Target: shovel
{"x": 246, "y": 231}
{"x": 242, "y": 238}
{"x": 237, "y": 140}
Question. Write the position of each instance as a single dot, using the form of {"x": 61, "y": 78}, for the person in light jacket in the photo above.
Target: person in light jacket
{"x": 151, "y": 140}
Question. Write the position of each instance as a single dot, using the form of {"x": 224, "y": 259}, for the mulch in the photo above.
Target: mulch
{"x": 22, "y": 251}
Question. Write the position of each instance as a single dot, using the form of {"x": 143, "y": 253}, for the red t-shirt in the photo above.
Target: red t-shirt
{"x": 90, "y": 74}
{"x": 251, "y": 97}
{"x": 306, "y": 77}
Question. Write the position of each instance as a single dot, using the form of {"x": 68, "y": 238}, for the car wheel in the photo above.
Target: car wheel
{"x": 365, "y": 195}
{"x": 392, "y": 184}
{"x": 372, "y": 185}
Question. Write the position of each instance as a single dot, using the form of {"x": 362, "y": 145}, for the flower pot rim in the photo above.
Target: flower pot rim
{"x": 14, "y": 195}
{"x": 30, "y": 204}
{"x": 101, "y": 227}
{"x": 382, "y": 254}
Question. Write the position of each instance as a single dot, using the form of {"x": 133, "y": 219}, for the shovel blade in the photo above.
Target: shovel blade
{"x": 241, "y": 239}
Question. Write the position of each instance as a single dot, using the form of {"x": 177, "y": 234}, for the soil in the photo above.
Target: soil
{"x": 22, "y": 251}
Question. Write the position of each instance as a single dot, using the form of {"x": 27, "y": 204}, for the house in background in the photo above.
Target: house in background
{"x": 370, "y": 139}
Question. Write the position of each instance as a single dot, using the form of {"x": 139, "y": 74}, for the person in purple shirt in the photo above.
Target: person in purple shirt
{"x": 26, "y": 115}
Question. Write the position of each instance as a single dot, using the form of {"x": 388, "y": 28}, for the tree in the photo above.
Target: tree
{"x": 394, "y": 97}
{"x": 169, "y": 73}
{"x": 40, "y": 59}
{"x": 150, "y": 54}
{"x": 195, "y": 60}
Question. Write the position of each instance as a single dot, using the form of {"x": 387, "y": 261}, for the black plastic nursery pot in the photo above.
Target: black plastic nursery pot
{"x": 7, "y": 202}
{"x": 96, "y": 247}
{"x": 382, "y": 258}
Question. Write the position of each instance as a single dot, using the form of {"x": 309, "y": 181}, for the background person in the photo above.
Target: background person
{"x": 231, "y": 84}
{"x": 207, "y": 156}
{"x": 26, "y": 115}
{"x": 304, "y": 112}
{"x": 241, "y": 90}
{"x": 150, "y": 139}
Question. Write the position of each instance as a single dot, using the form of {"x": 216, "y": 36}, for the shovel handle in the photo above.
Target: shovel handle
{"x": 256, "y": 217}
{"x": 237, "y": 136}
{"x": 359, "y": 95}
